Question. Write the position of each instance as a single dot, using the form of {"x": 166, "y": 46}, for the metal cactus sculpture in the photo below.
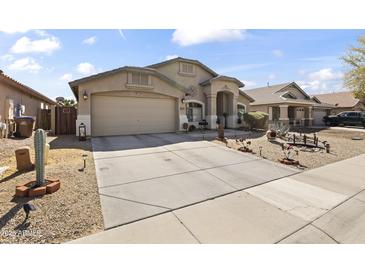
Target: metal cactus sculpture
{"x": 39, "y": 147}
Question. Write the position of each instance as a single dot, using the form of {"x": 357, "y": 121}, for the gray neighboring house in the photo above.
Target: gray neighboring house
{"x": 289, "y": 104}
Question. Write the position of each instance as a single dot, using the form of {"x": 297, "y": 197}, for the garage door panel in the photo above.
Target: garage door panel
{"x": 113, "y": 115}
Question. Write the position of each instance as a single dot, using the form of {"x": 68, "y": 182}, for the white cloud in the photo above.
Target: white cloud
{"x": 278, "y": 53}
{"x": 172, "y": 56}
{"x": 249, "y": 84}
{"x": 41, "y": 33}
{"x": 66, "y": 77}
{"x": 271, "y": 76}
{"x": 322, "y": 80}
{"x": 25, "y": 64}
{"x": 184, "y": 37}
{"x": 325, "y": 74}
{"x": 86, "y": 68}
{"x": 7, "y": 57}
{"x": 26, "y": 45}
{"x": 89, "y": 41}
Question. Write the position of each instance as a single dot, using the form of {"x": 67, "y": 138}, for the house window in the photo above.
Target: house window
{"x": 139, "y": 78}
{"x": 194, "y": 112}
{"x": 186, "y": 68}
{"x": 241, "y": 109}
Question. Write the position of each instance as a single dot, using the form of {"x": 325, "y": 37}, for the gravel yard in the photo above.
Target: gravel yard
{"x": 71, "y": 212}
{"x": 342, "y": 147}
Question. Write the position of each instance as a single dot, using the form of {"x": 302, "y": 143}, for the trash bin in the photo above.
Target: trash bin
{"x": 24, "y": 126}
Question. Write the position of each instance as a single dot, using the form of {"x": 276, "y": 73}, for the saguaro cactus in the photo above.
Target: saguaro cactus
{"x": 39, "y": 147}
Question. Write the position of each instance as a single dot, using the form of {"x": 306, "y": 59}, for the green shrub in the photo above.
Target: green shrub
{"x": 256, "y": 119}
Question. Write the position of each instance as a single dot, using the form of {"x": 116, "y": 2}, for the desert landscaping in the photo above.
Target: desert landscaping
{"x": 71, "y": 212}
{"x": 342, "y": 146}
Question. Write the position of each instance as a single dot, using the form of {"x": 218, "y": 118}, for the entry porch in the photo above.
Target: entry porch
{"x": 294, "y": 115}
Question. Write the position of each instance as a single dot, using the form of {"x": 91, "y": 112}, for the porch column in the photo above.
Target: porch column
{"x": 232, "y": 118}
{"x": 211, "y": 116}
{"x": 284, "y": 114}
{"x": 310, "y": 116}
{"x": 182, "y": 114}
{"x": 270, "y": 114}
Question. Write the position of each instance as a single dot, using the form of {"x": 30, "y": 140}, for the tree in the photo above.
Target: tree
{"x": 69, "y": 102}
{"x": 65, "y": 102}
{"x": 355, "y": 77}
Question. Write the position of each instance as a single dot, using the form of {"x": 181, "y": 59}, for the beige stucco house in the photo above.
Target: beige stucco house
{"x": 158, "y": 98}
{"x": 18, "y": 98}
{"x": 342, "y": 101}
{"x": 289, "y": 104}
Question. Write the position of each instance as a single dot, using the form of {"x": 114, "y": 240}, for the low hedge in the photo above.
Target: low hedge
{"x": 256, "y": 119}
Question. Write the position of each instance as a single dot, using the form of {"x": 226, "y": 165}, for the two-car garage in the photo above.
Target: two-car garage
{"x": 117, "y": 114}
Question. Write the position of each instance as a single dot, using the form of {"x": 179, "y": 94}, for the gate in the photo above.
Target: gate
{"x": 43, "y": 119}
{"x": 65, "y": 120}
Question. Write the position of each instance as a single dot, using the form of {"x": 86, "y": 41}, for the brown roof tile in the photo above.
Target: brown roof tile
{"x": 339, "y": 99}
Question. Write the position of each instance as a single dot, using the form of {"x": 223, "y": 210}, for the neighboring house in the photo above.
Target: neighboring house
{"x": 343, "y": 101}
{"x": 157, "y": 98}
{"x": 19, "y": 99}
{"x": 289, "y": 104}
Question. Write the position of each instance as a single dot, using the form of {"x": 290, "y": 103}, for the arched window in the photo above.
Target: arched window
{"x": 194, "y": 112}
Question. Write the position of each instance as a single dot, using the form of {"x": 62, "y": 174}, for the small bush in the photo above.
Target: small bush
{"x": 192, "y": 128}
{"x": 256, "y": 119}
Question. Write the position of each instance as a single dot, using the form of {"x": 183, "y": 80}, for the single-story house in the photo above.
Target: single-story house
{"x": 162, "y": 97}
{"x": 289, "y": 104}
{"x": 17, "y": 99}
{"x": 343, "y": 101}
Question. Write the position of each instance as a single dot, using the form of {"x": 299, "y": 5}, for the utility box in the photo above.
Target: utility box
{"x": 23, "y": 162}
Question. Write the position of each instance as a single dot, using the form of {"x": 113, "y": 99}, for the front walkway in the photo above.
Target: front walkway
{"x": 323, "y": 205}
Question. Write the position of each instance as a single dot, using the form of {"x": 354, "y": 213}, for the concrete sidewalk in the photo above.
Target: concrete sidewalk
{"x": 323, "y": 205}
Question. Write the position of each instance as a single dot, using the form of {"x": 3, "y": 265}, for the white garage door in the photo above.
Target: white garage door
{"x": 318, "y": 115}
{"x": 115, "y": 115}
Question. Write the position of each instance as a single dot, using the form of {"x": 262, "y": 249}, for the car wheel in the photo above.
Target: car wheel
{"x": 328, "y": 123}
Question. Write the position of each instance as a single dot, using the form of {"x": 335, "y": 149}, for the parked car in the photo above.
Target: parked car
{"x": 346, "y": 118}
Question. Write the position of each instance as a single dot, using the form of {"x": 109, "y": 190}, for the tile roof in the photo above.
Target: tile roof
{"x": 10, "y": 81}
{"x": 177, "y": 59}
{"x": 75, "y": 83}
{"x": 339, "y": 99}
{"x": 273, "y": 94}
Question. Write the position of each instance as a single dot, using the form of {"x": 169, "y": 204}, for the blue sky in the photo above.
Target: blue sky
{"x": 47, "y": 59}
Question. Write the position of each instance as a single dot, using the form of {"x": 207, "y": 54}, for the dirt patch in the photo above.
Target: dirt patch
{"x": 342, "y": 147}
{"x": 71, "y": 212}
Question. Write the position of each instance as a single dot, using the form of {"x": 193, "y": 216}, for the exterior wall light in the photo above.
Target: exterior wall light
{"x": 85, "y": 95}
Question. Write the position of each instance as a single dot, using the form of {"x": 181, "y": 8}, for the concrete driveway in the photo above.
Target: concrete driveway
{"x": 325, "y": 205}
{"x": 141, "y": 176}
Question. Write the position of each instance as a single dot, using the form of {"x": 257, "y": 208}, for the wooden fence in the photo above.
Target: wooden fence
{"x": 65, "y": 120}
{"x": 43, "y": 119}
